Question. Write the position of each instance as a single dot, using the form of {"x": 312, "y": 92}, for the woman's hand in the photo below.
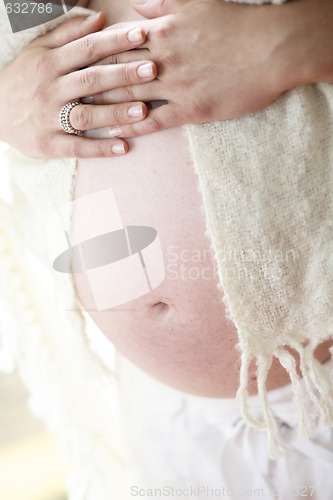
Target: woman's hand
{"x": 219, "y": 60}
{"x": 52, "y": 71}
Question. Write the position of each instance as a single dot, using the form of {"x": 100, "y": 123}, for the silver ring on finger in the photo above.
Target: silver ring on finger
{"x": 64, "y": 118}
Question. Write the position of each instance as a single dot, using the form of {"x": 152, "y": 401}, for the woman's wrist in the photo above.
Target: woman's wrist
{"x": 304, "y": 54}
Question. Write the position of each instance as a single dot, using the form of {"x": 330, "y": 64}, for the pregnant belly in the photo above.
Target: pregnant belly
{"x": 178, "y": 332}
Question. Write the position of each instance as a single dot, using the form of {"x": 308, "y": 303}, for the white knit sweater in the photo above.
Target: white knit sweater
{"x": 267, "y": 183}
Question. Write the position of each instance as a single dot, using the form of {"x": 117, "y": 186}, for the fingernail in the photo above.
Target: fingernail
{"x": 135, "y": 111}
{"x": 140, "y": 2}
{"x": 145, "y": 70}
{"x": 115, "y": 131}
{"x": 118, "y": 149}
{"x": 135, "y": 35}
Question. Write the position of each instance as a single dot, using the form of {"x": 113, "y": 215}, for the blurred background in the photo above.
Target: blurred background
{"x": 30, "y": 463}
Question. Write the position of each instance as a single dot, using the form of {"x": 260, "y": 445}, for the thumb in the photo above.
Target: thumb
{"x": 157, "y": 8}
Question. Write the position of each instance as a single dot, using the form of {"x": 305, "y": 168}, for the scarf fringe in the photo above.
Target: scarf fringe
{"x": 314, "y": 384}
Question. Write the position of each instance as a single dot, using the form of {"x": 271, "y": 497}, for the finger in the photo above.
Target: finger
{"x": 95, "y": 46}
{"x": 170, "y": 115}
{"x": 99, "y": 79}
{"x": 126, "y": 24}
{"x": 157, "y": 8}
{"x": 151, "y": 91}
{"x": 86, "y": 117}
{"x": 71, "y": 30}
{"x": 72, "y": 146}
{"x": 98, "y": 133}
{"x": 125, "y": 57}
